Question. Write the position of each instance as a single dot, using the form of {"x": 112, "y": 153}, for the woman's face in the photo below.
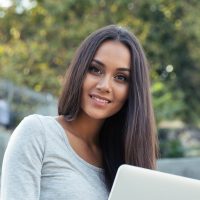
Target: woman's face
{"x": 105, "y": 88}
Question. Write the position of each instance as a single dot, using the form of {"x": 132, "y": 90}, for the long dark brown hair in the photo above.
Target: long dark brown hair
{"x": 129, "y": 136}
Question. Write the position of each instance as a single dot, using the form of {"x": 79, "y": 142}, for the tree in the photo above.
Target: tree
{"x": 37, "y": 44}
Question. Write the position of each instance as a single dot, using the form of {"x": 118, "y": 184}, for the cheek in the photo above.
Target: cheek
{"x": 122, "y": 94}
{"x": 86, "y": 85}
{"x": 90, "y": 81}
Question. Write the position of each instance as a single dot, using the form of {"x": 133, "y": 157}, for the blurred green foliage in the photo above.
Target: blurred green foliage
{"x": 37, "y": 44}
{"x": 171, "y": 149}
{"x": 170, "y": 145}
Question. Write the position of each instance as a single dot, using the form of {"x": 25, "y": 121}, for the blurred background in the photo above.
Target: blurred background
{"x": 39, "y": 37}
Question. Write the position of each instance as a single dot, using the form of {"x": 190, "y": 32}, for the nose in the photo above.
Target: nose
{"x": 104, "y": 85}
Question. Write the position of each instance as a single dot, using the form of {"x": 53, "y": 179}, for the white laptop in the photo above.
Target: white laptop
{"x": 135, "y": 183}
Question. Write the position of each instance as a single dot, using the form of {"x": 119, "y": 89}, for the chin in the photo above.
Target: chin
{"x": 97, "y": 115}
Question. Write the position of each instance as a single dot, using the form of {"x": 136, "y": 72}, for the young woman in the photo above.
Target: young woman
{"x": 105, "y": 119}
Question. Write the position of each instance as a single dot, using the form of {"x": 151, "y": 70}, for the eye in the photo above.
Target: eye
{"x": 121, "y": 78}
{"x": 94, "y": 70}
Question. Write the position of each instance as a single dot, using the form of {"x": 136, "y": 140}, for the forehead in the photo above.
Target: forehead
{"x": 113, "y": 51}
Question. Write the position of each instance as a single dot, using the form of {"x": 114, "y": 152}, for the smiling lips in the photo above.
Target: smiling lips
{"x": 99, "y": 99}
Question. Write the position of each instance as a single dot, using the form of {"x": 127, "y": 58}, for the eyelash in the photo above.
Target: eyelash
{"x": 96, "y": 71}
{"x": 125, "y": 78}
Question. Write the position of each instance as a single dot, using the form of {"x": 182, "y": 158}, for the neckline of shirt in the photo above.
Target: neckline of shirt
{"x": 73, "y": 151}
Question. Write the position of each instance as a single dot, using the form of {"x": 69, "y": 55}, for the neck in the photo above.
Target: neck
{"x": 85, "y": 128}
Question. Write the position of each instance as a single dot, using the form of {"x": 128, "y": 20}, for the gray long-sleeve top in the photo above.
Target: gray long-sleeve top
{"x": 40, "y": 164}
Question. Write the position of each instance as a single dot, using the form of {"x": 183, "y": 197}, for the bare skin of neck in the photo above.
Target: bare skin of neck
{"x": 83, "y": 136}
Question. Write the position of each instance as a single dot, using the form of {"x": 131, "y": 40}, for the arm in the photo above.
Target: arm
{"x": 21, "y": 169}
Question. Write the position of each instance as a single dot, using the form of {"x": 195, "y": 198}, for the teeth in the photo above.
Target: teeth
{"x": 100, "y": 100}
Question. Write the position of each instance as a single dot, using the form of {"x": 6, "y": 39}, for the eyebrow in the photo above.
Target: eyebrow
{"x": 103, "y": 65}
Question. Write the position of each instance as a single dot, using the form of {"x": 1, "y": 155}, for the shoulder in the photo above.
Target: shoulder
{"x": 37, "y": 126}
{"x": 31, "y": 123}
{"x": 29, "y": 120}
{"x": 29, "y": 128}
{"x": 29, "y": 138}
{"x": 35, "y": 122}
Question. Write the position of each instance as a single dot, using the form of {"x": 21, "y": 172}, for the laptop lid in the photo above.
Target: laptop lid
{"x": 135, "y": 183}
